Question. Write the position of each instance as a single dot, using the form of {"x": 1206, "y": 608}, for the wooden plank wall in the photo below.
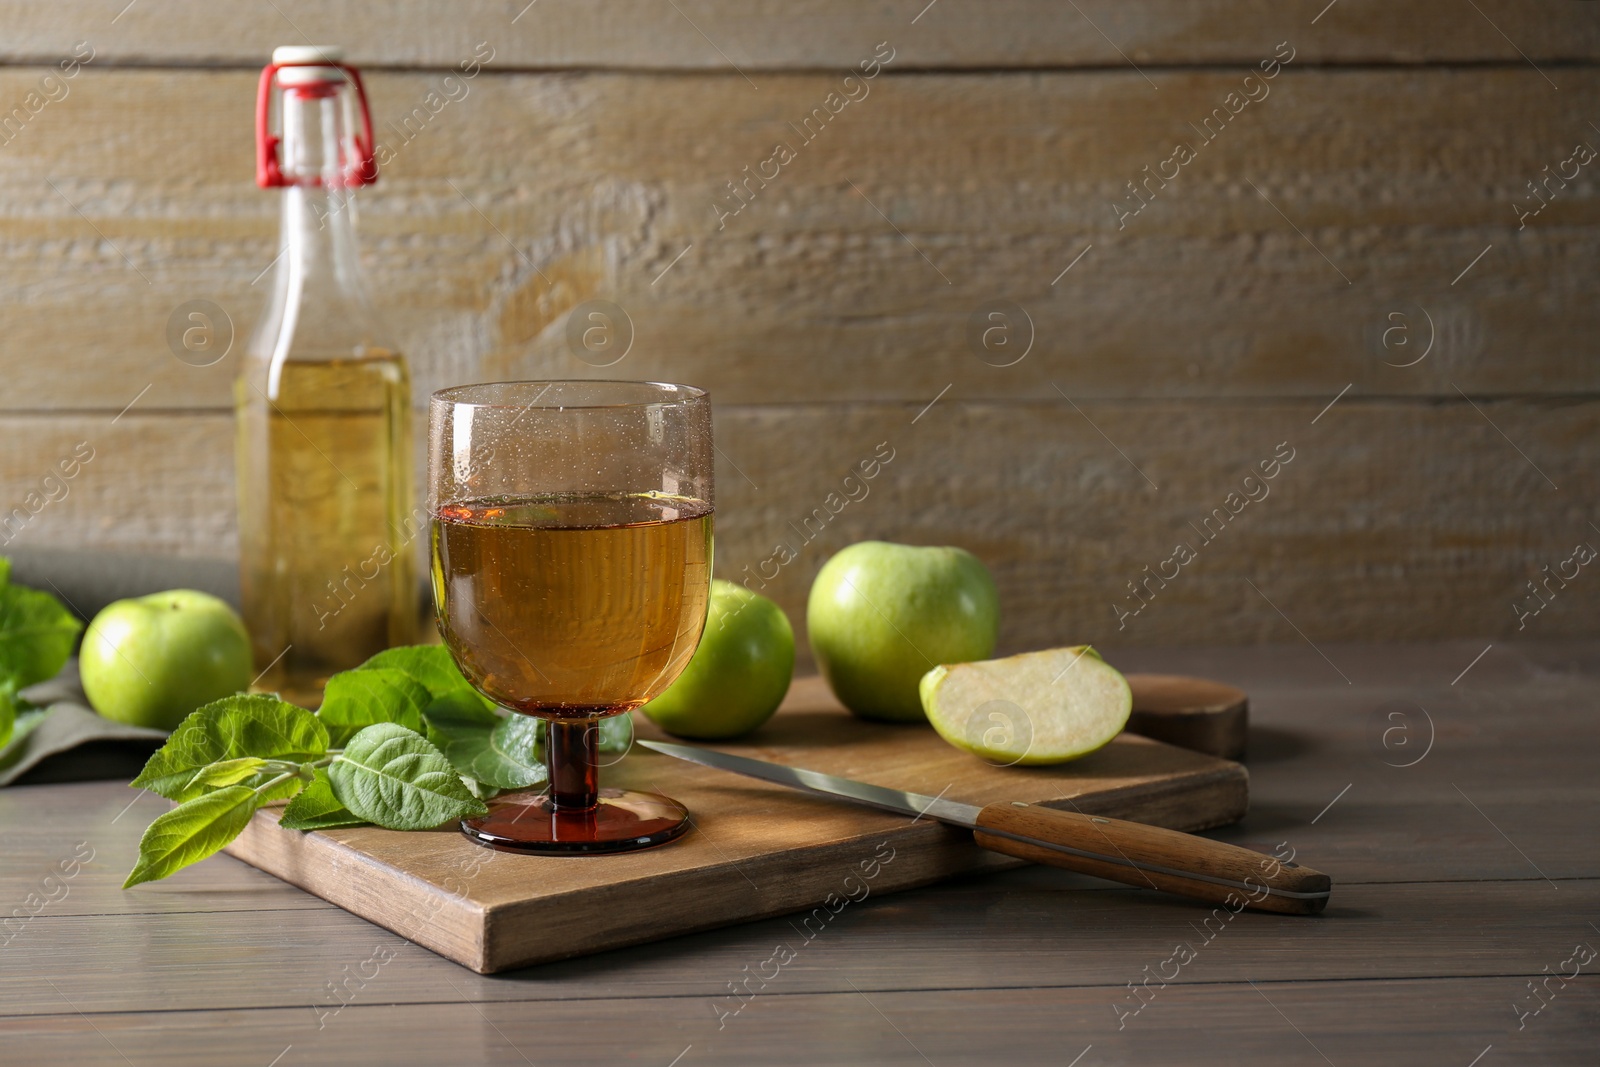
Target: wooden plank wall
{"x": 1360, "y": 227}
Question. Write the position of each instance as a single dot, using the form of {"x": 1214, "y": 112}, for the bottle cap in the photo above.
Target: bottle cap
{"x": 314, "y": 71}
{"x": 302, "y": 63}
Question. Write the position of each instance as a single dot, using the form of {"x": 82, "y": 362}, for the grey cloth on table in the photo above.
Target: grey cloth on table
{"x": 64, "y": 740}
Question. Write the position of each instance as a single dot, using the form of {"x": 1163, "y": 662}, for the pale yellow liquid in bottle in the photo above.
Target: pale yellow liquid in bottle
{"x": 327, "y": 535}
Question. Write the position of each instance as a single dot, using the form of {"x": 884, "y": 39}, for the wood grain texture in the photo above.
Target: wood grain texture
{"x": 725, "y": 35}
{"x": 1389, "y": 777}
{"x": 1027, "y": 928}
{"x": 1404, "y": 1022}
{"x": 1195, "y": 713}
{"x": 537, "y": 193}
{"x": 104, "y": 820}
{"x": 1393, "y": 520}
{"x": 755, "y": 850}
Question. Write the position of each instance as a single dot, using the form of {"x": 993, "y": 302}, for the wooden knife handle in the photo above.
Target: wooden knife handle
{"x": 1166, "y": 859}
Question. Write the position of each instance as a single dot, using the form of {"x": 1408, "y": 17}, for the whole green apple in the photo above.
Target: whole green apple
{"x": 151, "y": 660}
{"x": 738, "y": 675}
{"x": 881, "y": 615}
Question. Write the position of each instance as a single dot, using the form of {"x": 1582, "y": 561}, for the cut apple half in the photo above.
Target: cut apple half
{"x": 1035, "y": 708}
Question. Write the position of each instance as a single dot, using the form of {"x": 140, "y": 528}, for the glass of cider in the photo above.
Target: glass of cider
{"x": 571, "y": 554}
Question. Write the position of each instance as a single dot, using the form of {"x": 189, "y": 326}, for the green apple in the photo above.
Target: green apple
{"x": 151, "y": 660}
{"x": 738, "y": 675}
{"x": 881, "y": 615}
{"x": 1036, "y": 708}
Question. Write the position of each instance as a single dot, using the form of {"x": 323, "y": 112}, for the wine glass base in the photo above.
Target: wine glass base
{"x": 622, "y": 821}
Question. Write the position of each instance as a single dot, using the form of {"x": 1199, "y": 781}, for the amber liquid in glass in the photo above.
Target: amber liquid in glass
{"x": 574, "y": 605}
{"x": 326, "y": 533}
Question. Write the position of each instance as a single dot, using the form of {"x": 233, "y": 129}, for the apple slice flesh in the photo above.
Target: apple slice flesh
{"x": 1035, "y": 708}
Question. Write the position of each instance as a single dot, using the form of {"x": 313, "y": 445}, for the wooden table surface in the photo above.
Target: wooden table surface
{"x": 1466, "y": 875}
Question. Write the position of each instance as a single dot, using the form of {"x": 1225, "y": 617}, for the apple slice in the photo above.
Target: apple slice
{"x": 1036, "y": 708}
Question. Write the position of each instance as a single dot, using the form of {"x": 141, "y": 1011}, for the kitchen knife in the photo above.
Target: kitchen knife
{"x": 1128, "y": 852}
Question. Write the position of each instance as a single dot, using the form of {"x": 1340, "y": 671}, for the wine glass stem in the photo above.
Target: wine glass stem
{"x": 572, "y": 756}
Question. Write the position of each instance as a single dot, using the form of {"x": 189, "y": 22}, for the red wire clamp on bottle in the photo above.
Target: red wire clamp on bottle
{"x": 360, "y": 167}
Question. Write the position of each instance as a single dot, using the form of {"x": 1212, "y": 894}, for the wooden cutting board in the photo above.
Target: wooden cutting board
{"x": 756, "y": 849}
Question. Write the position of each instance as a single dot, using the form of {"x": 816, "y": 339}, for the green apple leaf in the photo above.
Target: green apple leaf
{"x": 392, "y": 776}
{"x": 470, "y": 736}
{"x": 354, "y": 700}
{"x": 520, "y": 733}
{"x": 192, "y": 831}
{"x": 225, "y": 772}
{"x": 275, "y": 785}
{"x": 234, "y": 727}
{"x": 431, "y": 665}
{"x": 616, "y": 733}
{"x": 316, "y": 808}
{"x": 36, "y": 635}
{"x": 8, "y": 712}
{"x": 458, "y": 710}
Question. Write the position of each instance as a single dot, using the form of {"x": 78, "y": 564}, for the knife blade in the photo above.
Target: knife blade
{"x": 1128, "y": 852}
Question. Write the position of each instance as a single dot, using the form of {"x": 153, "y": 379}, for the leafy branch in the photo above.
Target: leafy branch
{"x": 403, "y": 742}
{"x": 36, "y": 637}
